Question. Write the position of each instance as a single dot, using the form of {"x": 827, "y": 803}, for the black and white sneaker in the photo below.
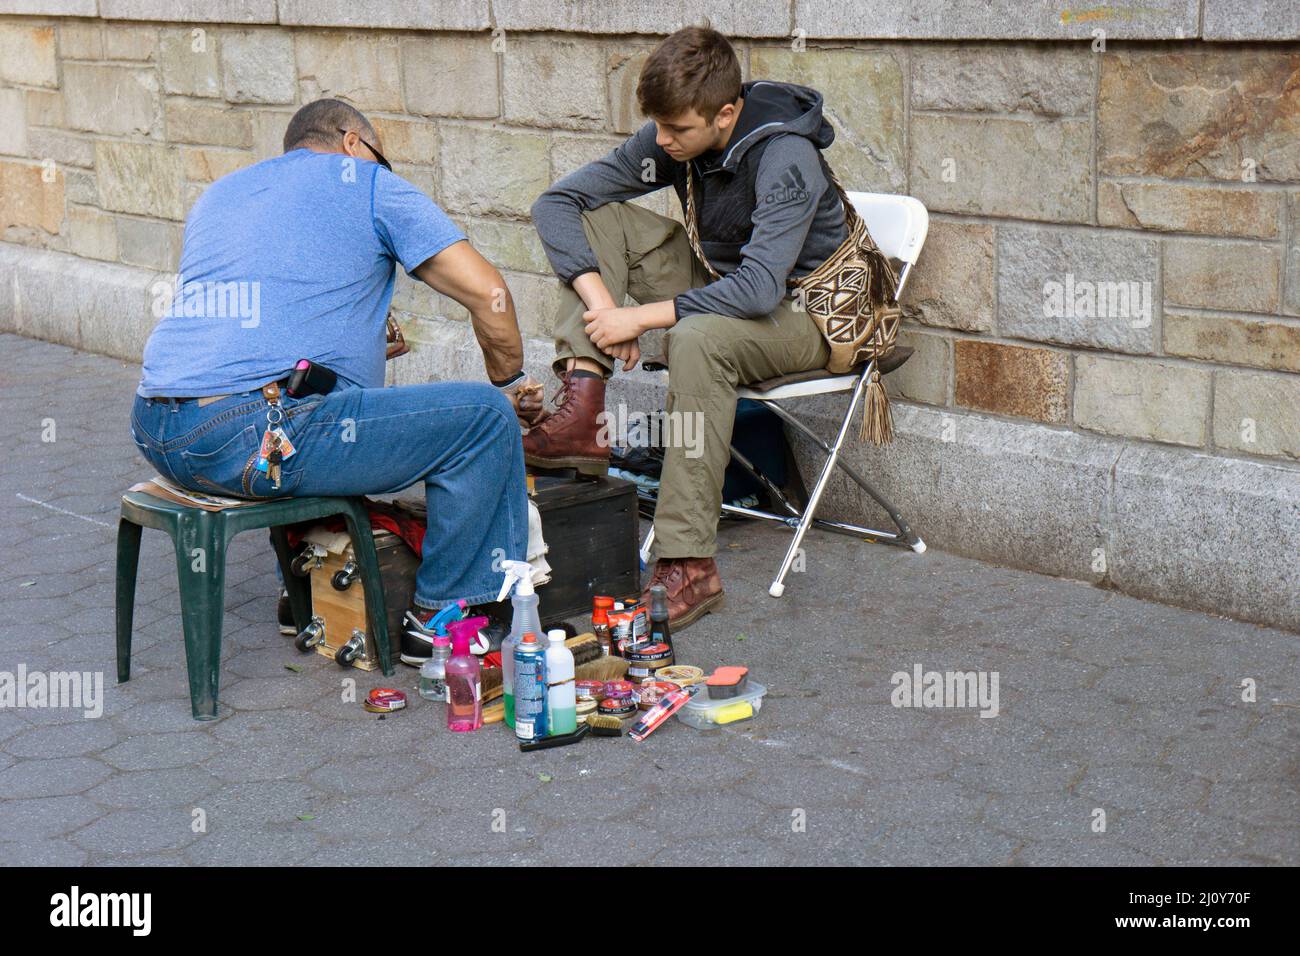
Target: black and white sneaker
{"x": 417, "y": 639}
{"x": 284, "y": 613}
{"x": 417, "y": 635}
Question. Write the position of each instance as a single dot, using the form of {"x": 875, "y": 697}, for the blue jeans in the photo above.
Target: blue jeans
{"x": 460, "y": 438}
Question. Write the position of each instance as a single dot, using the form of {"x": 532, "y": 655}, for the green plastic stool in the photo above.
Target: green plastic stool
{"x": 202, "y": 575}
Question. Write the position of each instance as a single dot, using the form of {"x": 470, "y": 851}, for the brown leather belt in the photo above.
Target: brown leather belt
{"x": 270, "y": 391}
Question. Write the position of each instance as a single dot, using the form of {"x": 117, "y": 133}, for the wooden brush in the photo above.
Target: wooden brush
{"x": 491, "y": 684}
{"x": 585, "y": 648}
{"x": 602, "y": 669}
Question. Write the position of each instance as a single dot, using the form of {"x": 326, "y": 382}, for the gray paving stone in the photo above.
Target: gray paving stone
{"x": 1140, "y": 787}
{"x": 397, "y": 851}
{"x": 137, "y": 831}
{"x": 64, "y": 740}
{"x": 42, "y": 853}
{"x": 155, "y": 751}
{"x": 278, "y": 846}
{"x": 29, "y": 820}
{"x": 153, "y": 716}
{"x": 1092, "y": 850}
{"x": 52, "y": 777}
{"x": 151, "y": 789}
{"x": 11, "y": 723}
{"x": 267, "y": 803}
{"x": 1105, "y": 700}
{"x": 741, "y": 851}
{"x": 146, "y": 859}
{"x": 1184, "y": 837}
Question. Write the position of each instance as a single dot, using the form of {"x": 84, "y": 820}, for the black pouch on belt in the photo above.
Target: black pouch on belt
{"x": 308, "y": 378}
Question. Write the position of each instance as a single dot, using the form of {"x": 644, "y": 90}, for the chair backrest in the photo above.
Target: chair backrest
{"x": 898, "y": 224}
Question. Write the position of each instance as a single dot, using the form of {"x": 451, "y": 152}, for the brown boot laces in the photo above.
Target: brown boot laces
{"x": 563, "y": 407}
{"x": 667, "y": 573}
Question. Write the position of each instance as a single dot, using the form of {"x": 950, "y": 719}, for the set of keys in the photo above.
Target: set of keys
{"x": 276, "y": 446}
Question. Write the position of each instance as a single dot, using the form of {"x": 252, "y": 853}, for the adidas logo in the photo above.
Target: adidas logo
{"x": 792, "y": 188}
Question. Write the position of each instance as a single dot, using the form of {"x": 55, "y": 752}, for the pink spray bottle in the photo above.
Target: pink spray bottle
{"x": 464, "y": 683}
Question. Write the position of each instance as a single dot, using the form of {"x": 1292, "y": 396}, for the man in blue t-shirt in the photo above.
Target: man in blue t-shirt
{"x": 295, "y": 258}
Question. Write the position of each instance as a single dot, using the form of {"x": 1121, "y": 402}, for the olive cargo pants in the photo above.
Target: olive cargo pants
{"x": 647, "y": 256}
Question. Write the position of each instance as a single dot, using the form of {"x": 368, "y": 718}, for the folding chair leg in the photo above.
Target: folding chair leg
{"x": 810, "y": 510}
{"x": 765, "y": 481}
{"x": 905, "y": 531}
{"x": 645, "y": 548}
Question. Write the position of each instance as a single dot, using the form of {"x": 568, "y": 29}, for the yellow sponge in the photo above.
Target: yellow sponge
{"x": 730, "y": 713}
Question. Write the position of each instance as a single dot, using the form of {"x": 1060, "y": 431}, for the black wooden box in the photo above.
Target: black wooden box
{"x": 591, "y": 531}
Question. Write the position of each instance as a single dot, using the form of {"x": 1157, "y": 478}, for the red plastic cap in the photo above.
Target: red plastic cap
{"x": 726, "y": 676}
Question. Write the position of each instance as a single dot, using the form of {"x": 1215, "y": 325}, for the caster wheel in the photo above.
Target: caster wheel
{"x": 350, "y": 651}
{"x": 308, "y": 558}
{"x": 310, "y": 636}
{"x": 343, "y": 578}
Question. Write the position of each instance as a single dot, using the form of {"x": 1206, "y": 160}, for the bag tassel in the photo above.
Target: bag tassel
{"x": 877, "y": 419}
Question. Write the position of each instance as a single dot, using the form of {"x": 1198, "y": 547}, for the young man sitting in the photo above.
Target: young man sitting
{"x": 767, "y": 213}
{"x": 307, "y": 244}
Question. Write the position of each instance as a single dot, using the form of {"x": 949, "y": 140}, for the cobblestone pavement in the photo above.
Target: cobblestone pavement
{"x": 1105, "y": 703}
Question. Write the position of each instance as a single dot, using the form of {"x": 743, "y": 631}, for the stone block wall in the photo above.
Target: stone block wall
{"x": 1114, "y": 250}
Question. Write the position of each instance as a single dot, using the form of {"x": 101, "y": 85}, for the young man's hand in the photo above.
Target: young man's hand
{"x": 629, "y": 353}
{"x": 616, "y": 330}
{"x": 606, "y": 327}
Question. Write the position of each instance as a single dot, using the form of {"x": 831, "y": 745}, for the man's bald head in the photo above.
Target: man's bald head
{"x": 319, "y": 126}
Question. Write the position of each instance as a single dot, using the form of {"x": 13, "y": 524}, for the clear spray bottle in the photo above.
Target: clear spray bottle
{"x": 519, "y": 576}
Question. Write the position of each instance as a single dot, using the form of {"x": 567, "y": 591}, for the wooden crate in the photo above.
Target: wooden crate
{"x": 345, "y": 611}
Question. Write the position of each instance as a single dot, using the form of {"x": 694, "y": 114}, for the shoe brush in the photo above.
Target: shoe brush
{"x": 491, "y": 683}
{"x": 585, "y": 648}
{"x": 603, "y": 725}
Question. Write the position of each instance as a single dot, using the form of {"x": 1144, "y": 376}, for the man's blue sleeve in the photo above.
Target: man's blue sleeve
{"x": 408, "y": 223}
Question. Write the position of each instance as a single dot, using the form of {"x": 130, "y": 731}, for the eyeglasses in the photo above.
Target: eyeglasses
{"x": 379, "y": 157}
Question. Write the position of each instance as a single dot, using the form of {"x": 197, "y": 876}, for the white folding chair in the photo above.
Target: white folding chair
{"x": 898, "y": 224}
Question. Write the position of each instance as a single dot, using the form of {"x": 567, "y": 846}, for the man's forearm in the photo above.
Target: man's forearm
{"x": 596, "y": 296}
{"x": 658, "y": 315}
{"x": 497, "y": 331}
{"x": 462, "y": 274}
{"x": 592, "y": 291}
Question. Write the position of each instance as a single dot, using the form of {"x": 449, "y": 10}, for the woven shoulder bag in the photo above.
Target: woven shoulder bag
{"x": 851, "y": 297}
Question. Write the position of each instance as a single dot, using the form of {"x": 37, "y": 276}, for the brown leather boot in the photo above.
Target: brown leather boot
{"x": 694, "y": 589}
{"x": 566, "y": 438}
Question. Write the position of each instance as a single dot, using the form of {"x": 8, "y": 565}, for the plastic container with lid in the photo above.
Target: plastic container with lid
{"x": 705, "y": 713}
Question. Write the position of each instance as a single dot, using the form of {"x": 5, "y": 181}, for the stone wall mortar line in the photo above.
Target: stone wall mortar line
{"x": 1094, "y": 66}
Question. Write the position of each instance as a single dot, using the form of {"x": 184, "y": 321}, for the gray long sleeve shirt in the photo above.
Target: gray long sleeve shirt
{"x": 766, "y": 208}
